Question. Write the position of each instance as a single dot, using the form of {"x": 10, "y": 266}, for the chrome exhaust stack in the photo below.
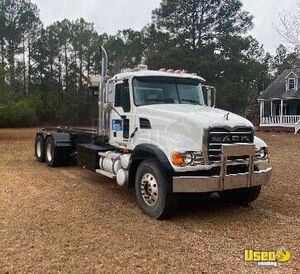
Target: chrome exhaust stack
{"x": 103, "y": 121}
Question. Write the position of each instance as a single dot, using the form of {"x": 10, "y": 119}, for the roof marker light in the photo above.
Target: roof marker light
{"x": 142, "y": 67}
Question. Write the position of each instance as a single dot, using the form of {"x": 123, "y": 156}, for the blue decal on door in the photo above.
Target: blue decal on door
{"x": 117, "y": 125}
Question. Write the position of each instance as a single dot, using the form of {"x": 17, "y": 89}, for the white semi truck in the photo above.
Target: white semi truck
{"x": 157, "y": 134}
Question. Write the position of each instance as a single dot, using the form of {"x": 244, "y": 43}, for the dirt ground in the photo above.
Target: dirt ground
{"x": 71, "y": 220}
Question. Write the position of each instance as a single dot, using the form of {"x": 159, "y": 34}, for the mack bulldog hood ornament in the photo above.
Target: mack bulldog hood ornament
{"x": 226, "y": 116}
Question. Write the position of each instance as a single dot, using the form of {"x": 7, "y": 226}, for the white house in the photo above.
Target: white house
{"x": 280, "y": 102}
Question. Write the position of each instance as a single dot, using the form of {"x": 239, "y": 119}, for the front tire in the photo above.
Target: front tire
{"x": 153, "y": 190}
{"x": 242, "y": 196}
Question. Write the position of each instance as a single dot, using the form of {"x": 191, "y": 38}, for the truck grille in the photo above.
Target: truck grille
{"x": 219, "y": 136}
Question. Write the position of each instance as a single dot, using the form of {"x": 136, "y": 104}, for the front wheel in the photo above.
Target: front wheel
{"x": 242, "y": 196}
{"x": 153, "y": 190}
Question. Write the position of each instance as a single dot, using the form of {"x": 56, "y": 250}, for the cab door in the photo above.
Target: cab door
{"x": 121, "y": 122}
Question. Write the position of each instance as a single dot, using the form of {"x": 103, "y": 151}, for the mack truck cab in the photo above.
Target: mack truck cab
{"x": 159, "y": 132}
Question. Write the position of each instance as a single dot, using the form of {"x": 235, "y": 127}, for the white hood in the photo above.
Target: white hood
{"x": 182, "y": 127}
{"x": 200, "y": 115}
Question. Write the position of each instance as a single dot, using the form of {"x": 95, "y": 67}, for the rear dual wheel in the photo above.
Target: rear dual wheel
{"x": 46, "y": 151}
{"x": 39, "y": 148}
{"x": 55, "y": 156}
{"x": 50, "y": 153}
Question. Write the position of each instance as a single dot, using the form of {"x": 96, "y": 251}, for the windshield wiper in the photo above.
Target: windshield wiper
{"x": 191, "y": 101}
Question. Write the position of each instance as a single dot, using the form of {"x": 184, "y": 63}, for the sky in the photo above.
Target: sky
{"x": 111, "y": 15}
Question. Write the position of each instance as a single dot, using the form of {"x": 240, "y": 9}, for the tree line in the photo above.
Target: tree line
{"x": 44, "y": 70}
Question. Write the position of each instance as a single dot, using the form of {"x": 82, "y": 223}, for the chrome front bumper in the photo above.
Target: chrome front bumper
{"x": 185, "y": 184}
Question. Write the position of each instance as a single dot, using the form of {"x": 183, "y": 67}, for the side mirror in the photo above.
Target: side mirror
{"x": 211, "y": 94}
{"x": 94, "y": 84}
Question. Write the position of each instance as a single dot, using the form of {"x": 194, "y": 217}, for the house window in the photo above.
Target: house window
{"x": 291, "y": 81}
{"x": 292, "y": 84}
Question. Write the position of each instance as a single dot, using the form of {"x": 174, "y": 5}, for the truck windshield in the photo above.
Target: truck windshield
{"x": 167, "y": 90}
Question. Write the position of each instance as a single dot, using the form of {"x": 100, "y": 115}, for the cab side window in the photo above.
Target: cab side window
{"x": 122, "y": 98}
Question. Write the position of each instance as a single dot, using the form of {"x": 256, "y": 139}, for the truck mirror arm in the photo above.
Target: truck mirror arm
{"x": 109, "y": 107}
{"x": 133, "y": 133}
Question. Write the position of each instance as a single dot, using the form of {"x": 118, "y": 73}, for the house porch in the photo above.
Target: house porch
{"x": 280, "y": 113}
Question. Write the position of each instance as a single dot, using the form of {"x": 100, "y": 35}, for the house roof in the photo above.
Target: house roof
{"x": 277, "y": 89}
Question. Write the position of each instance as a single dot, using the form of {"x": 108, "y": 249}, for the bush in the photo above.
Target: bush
{"x": 47, "y": 108}
{"x": 18, "y": 114}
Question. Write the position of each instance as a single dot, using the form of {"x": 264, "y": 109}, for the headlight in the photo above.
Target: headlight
{"x": 182, "y": 159}
{"x": 188, "y": 158}
{"x": 262, "y": 154}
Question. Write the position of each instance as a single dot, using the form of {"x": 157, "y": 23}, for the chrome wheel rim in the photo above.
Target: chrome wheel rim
{"x": 149, "y": 189}
{"x": 49, "y": 152}
{"x": 39, "y": 149}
